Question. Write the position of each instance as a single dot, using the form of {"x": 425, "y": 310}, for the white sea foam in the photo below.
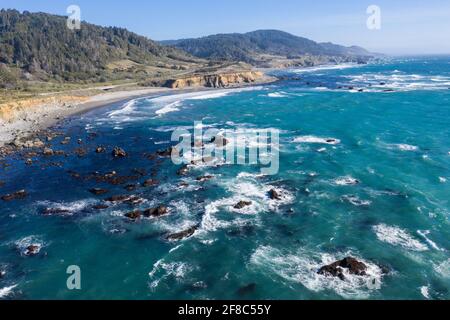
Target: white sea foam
{"x": 172, "y": 103}
{"x": 317, "y": 140}
{"x": 346, "y": 181}
{"x": 6, "y": 291}
{"x": 302, "y": 267}
{"x": 425, "y": 291}
{"x": 245, "y": 188}
{"x": 354, "y": 200}
{"x": 443, "y": 268}
{"x": 398, "y": 237}
{"x": 277, "y": 95}
{"x": 126, "y": 109}
{"x": 405, "y": 147}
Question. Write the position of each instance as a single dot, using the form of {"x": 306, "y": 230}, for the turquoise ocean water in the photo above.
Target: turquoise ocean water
{"x": 363, "y": 174}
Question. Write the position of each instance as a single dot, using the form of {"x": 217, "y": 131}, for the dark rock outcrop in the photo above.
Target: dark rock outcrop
{"x": 274, "y": 195}
{"x": 242, "y": 204}
{"x": 119, "y": 153}
{"x": 100, "y": 149}
{"x": 134, "y": 215}
{"x": 183, "y": 234}
{"x": 48, "y": 152}
{"x": 98, "y": 191}
{"x": 32, "y": 250}
{"x": 19, "y": 195}
{"x": 204, "y": 178}
{"x": 156, "y": 212}
{"x": 100, "y": 207}
{"x": 150, "y": 183}
{"x": 337, "y": 268}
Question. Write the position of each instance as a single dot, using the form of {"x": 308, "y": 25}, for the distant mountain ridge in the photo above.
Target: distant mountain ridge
{"x": 248, "y": 47}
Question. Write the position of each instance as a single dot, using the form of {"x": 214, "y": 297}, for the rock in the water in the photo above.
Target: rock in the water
{"x": 119, "y": 153}
{"x": 204, "y": 178}
{"x": 242, "y": 204}
{"x": 167, "y": 152}
{"x": 66, "y": 141}
{"x": 183, "y": 171}
{"x": 183, "y": 234}
{"x": 134, "y": 215}
{"x": 120, "y": 198}
{"x": 248, "y": 289}
{"x": 337, "y": 268}
{"x": 15, "y": 196}
{"x": 48, "y": 152}
{"x": 150, "y": 183}
{"x": 98, "y": 191}
{"x": 156, "y": 212}
{"x": 131, "y": 187}
{"x": 100, "y": 207}
{"x": 274, "y": 195}
{"x": 100, "y": 149}
{"x": 32, "y": 250}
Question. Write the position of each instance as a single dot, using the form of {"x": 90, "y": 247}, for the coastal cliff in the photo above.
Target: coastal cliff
{"x": 213, "y": 80}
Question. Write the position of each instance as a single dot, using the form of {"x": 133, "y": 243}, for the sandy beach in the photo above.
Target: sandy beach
{"x": 30, "y": 120}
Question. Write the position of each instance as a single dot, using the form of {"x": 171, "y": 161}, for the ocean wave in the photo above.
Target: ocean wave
{"x": 326, "y": 67}
{"x": 126, "y": 109}
{"x": 398, "y": 237}
{"x": 346, "y": 181}
{"x": 171, "y": 107}
{"x": 400, "y": 81}
{"x": 302, "y": 267}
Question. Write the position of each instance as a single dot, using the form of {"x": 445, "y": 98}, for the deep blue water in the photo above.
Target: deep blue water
{"x": 363, "y": 174}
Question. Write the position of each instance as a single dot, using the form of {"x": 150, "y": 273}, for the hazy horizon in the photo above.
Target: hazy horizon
{"x": 406, "y": 29}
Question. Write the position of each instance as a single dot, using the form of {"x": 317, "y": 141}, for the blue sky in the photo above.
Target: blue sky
{"x": 407, "y": 27}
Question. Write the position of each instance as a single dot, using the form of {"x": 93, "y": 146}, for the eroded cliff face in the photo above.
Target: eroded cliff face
{"x": 214, "y": 80}
{"x": 13, "y": 110}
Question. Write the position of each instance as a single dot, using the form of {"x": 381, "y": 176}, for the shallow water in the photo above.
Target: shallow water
{"x": 361, "y": 173}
